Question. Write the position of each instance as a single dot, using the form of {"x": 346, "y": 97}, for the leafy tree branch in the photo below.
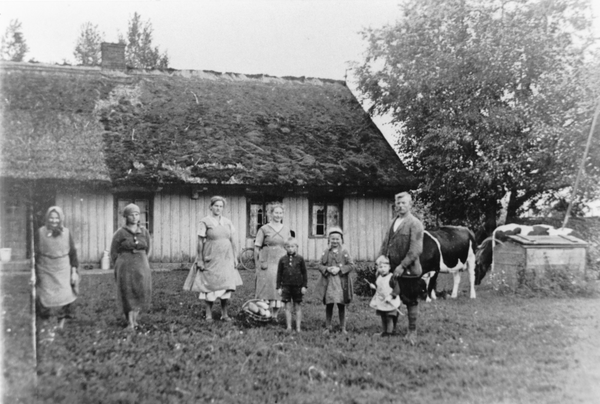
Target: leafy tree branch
{"x": 493, "y": 97}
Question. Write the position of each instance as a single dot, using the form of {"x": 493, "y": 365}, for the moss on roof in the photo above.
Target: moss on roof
{"x": 48, "y": 126}
{"x": 192, "y": 127}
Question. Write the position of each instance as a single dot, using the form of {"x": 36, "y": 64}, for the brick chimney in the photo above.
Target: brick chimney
{"x": 113, "y": 56}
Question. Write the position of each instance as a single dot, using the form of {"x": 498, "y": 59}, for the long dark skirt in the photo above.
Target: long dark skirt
{"x": 134, "y": 281}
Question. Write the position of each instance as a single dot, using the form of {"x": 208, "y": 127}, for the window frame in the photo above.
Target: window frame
{"x": 133, "y": 197}
{"x": 264, "y": 201}
{"x": 339, "y": 203}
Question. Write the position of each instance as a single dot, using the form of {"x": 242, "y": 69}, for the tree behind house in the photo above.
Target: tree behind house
{"x": 139, "y": 52}
{"x": 14, "y": 46}
{"x": 492, "y": 97}
{"x": 87, "y": 49}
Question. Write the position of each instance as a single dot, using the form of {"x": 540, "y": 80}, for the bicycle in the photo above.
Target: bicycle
{"x": 247, "y": 258}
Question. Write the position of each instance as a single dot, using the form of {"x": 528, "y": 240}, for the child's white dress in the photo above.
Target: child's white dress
{"x": 384, "y": 290}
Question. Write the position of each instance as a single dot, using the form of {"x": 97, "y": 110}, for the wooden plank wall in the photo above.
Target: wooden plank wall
{"x": 89, "y": 217}
{"x": 365, "y": 221}
{"x": 176, "y": 220}
{"x": 13, "y": 225}
{"x": 296, "y": 217}
{"x": 176, "y": 216}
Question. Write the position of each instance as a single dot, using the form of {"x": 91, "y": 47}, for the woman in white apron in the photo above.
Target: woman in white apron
{"x": 57, "y": 276}
{"x": 268, "y": 250}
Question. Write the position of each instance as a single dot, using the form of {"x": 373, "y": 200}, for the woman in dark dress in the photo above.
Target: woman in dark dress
{"x": 57, "y": 279}
{"x": 129, "y": 257}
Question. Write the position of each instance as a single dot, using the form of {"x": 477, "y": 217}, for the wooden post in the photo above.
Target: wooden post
{"x": 582, "y": 166}
{"x": 32, "y": 282}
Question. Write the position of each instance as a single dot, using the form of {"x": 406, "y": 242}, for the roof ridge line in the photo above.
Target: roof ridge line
{"x": 187, "y": 73}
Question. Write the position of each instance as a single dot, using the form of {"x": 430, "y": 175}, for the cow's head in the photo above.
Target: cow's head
{"x": 484, "y": 253}
{"x": 424, "y": 284}
{"x": 483, "y": 259}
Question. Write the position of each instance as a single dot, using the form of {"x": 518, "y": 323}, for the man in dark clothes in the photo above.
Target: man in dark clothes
{"x": 402, "y": 245}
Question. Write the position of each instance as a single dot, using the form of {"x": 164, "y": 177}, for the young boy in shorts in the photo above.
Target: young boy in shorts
{"x": 292, "y": 281}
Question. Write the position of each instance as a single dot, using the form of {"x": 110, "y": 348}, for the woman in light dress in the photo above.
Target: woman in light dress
{"x": 216, "y": 261}
{"x": 268, "y": 249}
{"x": 57, "y": 277}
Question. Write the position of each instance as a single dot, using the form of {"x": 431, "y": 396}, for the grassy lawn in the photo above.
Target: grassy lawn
{"x": 18, "y": 361}
{"x": 495, "y": 349}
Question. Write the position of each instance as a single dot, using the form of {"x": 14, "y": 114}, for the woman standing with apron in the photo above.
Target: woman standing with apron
{"x": 268, "y": 249}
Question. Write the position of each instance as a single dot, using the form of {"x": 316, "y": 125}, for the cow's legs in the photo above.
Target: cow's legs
{"x": 431, "y": 296}
{"x": 430, "y": 279}
{"x": 470, "y": 266}
{"x": 472, "y": 282}
{"x": 456, "y": 276}
{"x": 471, "y": 270}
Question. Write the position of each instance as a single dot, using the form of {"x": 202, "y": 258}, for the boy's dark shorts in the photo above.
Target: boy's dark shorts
{"x": 291, "y": 293}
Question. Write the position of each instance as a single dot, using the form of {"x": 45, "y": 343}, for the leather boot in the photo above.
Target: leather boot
{"x": 411, "y": 335}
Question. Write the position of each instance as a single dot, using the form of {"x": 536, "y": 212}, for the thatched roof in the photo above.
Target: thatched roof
{"x": 189, "y": 127}
{"x": 49, "y": 129}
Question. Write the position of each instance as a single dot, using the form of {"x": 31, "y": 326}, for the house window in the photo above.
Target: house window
{"x": 323, "y": 216}
{"x": 144, "y": 203}
{"x": 258, "y": 214}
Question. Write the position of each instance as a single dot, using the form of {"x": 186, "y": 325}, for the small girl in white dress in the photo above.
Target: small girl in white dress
{"x": 385, "y": 302}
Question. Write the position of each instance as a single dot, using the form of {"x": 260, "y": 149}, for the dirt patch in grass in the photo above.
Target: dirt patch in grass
{"x": 503, "y": 349}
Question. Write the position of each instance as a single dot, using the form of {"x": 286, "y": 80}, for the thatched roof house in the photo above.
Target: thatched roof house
{"x": 92, "y": 140}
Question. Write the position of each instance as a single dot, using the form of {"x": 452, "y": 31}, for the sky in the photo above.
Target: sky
{"x": 281, "y": 38}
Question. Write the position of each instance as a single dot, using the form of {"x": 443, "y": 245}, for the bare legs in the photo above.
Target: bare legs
{"x": 289, "y": 306}
{"x": 132, "y": 317}
{"x": 224, "y": 310}
{"x": 208, "y": 310}
{"x": 224, "y": 306}
{"x": 288, "y": 315}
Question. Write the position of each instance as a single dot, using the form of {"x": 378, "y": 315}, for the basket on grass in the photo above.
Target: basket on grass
{"x": 258, "y": 310}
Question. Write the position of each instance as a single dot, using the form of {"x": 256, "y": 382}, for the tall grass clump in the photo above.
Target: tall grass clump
{"x": 554, "y": 282}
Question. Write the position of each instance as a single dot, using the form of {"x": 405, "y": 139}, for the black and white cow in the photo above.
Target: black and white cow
{"x": 484, "y": 260}
{"x": 448, "y": 249}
